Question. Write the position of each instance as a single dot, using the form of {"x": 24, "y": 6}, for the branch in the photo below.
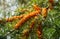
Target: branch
{"x": 39, "y": 30}
{"x": 14, "y": 18}
{"x": 25, "y": 18}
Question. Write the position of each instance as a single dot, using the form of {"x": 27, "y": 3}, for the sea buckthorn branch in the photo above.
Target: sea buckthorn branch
{"x": 39, "y": 30}
{"x": 25, "y": 18}
{"x": 14, "y": 18}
